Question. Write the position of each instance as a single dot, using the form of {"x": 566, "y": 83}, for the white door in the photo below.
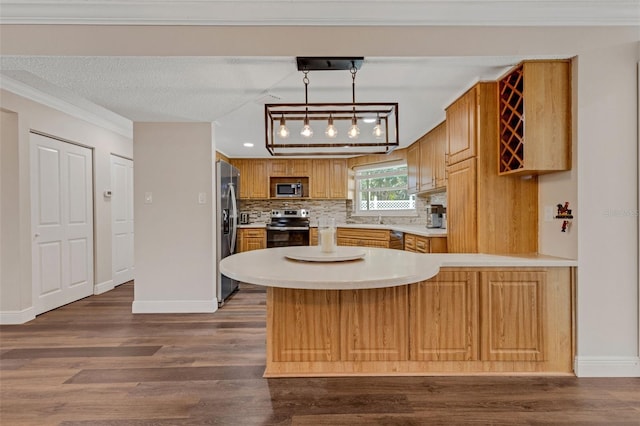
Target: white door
{"x": 122, "y": 219}
{"x": 61, "y": 222}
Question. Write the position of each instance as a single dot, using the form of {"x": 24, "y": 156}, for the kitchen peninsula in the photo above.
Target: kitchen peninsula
{"x": 399, "y": 313}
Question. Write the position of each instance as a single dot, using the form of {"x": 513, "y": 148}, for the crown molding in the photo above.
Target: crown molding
{"x": 324, "y": 13}
{"x": 107, "y": 120}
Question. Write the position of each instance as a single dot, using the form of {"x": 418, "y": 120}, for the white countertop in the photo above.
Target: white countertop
{"x": 378, "y": 268}
{"x": 253, "y": 225}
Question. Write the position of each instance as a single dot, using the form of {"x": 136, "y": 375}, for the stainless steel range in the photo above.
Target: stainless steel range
{"x": 288, "y": 228}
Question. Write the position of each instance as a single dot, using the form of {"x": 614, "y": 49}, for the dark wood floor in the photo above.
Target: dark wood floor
{"x": 94, "y": 363}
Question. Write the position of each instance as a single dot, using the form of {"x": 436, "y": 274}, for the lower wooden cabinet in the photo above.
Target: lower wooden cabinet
{"x": 444, "y": 318}
{"x": 513, "y": 315}
{"x": 420, "y": 244}
{"x": 307, "y": 325}
{"x": 374, "y": 324}
{"x": 382, "y": 238}
{"x": 251, "y": 239}
{"x": 462, "y": 321}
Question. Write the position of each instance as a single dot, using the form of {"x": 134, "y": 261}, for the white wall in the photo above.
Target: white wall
{"x": 174, "y": 245}
{"x": 608, "y": 210}
{"x": 15, "y": 287}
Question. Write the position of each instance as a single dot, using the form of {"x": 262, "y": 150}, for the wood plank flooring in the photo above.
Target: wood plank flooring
{"x": 95, "y": 363}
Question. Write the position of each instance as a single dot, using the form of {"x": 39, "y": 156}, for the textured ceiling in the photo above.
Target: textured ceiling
{"x": 231, "y": 91}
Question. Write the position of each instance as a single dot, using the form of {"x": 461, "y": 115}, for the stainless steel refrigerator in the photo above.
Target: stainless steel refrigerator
{"x": 228, "y": 184}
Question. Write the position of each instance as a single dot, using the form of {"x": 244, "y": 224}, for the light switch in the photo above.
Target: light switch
{"x": 202, "y": 198}
{"x": 548, "y": 213}
{"x": 148, "y": 197}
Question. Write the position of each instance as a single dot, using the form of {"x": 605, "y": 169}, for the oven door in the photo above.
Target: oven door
{"x": 287, "y": 236}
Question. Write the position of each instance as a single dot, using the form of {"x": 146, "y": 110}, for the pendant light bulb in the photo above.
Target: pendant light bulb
{"x": 354, "y": 131}
{"x": 331, "y": 131}
{"x": 307, "y": 131}
{"x": 378, "y": 131}
{"x": 283, "y": 131}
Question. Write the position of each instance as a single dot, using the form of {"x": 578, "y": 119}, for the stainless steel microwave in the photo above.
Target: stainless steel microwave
{"x": 289, "y": 189}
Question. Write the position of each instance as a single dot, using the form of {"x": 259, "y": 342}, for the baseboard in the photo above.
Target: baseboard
{"x": 174, "y": 306}
{"x": 601, "y": 366}
{"x": 17, "y": 317}
{"x": 103, "y": 287}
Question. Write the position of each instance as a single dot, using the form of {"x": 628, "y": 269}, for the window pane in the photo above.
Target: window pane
{"x": 383, "y": 189}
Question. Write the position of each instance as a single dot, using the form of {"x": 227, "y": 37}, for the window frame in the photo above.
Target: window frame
{"x": 356, "y": 211}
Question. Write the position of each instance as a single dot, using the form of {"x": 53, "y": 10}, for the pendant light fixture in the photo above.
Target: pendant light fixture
{"x": 354, "y": 131}
{"x": 344, "y": 120}
{"x": 378, "y": 131}
{"x": 331, "y": 131}
{"x": 283, "y": 131}
{"x": 306, "y": 131}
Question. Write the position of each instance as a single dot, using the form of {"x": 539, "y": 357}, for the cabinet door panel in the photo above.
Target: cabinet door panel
{"x": 443, "y": 318}
{"x": 320, "y": 179}
{"x": 513, "y": 316}
{"x": 338, "y": 179}
{"x": 462, "y": 227}
{"x": 461, "y": 127}
{"x": 374, "y": 324}
{"x": 308, "y": 327}
{"x": 413, "y": 160}
{"x": 426, "y": 175}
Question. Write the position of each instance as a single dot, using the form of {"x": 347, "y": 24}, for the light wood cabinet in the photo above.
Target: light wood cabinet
{"x": 374, "y": 324}
{"x": 462, "y": 208}
{"x": 461, "y": 126}
{"x": 443, "y": 318}
{"x": 328, "y": 179}
{"x": 462, "y": 321}
{"x": 439, "y": 143}
{"x": 541, "y": 92}
{"x": 413, "y": 167}
{"x": 486, "y": 213}
{"x": 338, "y": 179}
{"x": 251, "y": 239}
{"x": 254, "y": 181}
{"x": 305, "y": 325}
{"x": 369, "y": 238}
{"x": 290, "y": 168}
{"x": 420, "y": 244}
{"x": 513, "y": 315}
{"x": 432, "y": 174}
{"x": 426, "y": 161}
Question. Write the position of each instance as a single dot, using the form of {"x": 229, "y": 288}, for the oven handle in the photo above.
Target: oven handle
{"x": 287, "y": 228}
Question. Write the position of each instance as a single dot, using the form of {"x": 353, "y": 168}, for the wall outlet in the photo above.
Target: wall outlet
{"x": 202, "y": 198}
{"x": 148, "y": 197}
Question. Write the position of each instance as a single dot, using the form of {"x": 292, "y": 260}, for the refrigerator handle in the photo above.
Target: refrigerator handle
{"x": 233, "y": 220}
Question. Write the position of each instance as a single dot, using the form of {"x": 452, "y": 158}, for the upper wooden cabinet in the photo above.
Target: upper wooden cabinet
{"x": 413, "y": 167}
{"x": 254, "y": 181}
{"x": 432, "y": 166}
{"x": 462, "y": 126}
{"x": 328, "y": 179}
{"x": 338, "y": 179}
{"x": 426, "y": 162}
{"x": 294, "y": 168}
{"x": 541, "y": 92}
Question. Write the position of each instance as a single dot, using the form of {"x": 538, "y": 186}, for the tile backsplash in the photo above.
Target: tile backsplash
{"x": 341, "y": 210}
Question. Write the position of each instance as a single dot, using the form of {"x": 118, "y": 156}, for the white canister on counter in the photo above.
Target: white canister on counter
{"x": 327, "y": 238}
